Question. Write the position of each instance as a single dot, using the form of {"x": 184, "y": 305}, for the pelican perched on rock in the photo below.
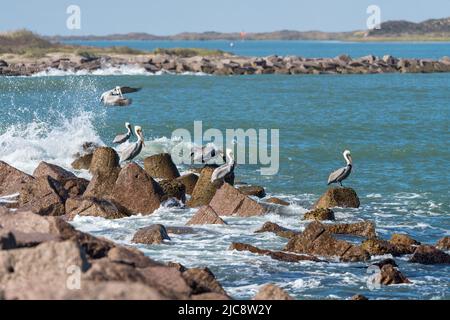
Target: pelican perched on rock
{"x": 341, "y": 174}
{"x": 130, "y": 152}
{"x": 204, "y": 154}
{"x": 121, "y": 138}
{"x": 222, "y": 171}
{"x": 115, "y": 96}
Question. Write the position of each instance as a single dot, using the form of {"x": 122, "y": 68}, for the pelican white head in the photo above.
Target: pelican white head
{"x": 139, "y": 134}
{"x": 347, "y": 157}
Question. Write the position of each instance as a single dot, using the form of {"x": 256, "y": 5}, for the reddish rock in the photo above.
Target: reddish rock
{"x": 149, "y": 235}
{"x": 202, "y": 280}
{"x": 104, "y": 161}
{"x": 177, "y": 266}
{"x": 277, "y": 229}
{"x": 277, "y": 201}
{"x": 382, "y": 247}
{"x": 173, "y": 189}
{"x": 338, "y": 197}
{"x": 210, "y": 296}
{"x": 426, "y": 254}
{"x": 161, "y": 166}
{"x": 205, "y": 215}
{"x": 130, "y": 256}
{"x": 44, "y": 196}
{"x": 229, "y": 201}
{"x": 315, "y": 240}
{"x": 276, "y": 255}
{"x": 102, "y": 184}
{"x": 362, "y": 229}
{"x": 256, "y": 191}
{"x": 92, "y": 207}
{"x": 75, "y": 186}
{"x": 52, "y": 170}
{"x": 136, "y": 191}
{"x": 189, "y": 181}
{"x": 272, "y": 292}
{"x": 444, "y": 243}
{"x": 319, "y": 214}
{"x": 29, "y": 240}
{"x": 403, "y": 239}
{"x": 11, "y": 179}
{"x": 391, "y": 275}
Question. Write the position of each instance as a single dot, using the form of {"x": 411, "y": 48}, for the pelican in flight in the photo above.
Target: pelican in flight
{"x": 226, "y": 168}
{"x": 204, "y": 154}
{"x": 115, "y": 96}
{"x": 121, "y": 138}
{"x": 130, "y": 152}
{"x": 341, "y": 174}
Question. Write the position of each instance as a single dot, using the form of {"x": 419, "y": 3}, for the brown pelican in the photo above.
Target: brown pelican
{"x": 223, "y": 170}
{"x": 130, "y": 152}
{"x": 341, "y": 174}
{"x": 121, "y": 138}
{"x": 115, "y": 96}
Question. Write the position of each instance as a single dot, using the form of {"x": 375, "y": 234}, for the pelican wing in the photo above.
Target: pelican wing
{"x": 129, "y": 89}
{"x": 121, "y": 138}
{"x": 221, "y": 172}
{"x": 131, "y": 151}
{"x": 335, "y": 175}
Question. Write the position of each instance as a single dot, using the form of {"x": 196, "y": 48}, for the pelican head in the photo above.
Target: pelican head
{"x": 347, "y": 157}
{"x": 139, "y": 134}
{"x": 128, "y": 126}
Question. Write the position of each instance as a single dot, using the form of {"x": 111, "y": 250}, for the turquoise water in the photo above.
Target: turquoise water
{"x": 311, "y": 49}
{"x": 396, "y": 126}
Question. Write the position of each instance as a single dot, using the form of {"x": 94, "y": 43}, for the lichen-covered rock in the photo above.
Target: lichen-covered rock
{"x": 338, "y": 197}
{"x": 256, "y": 191}
{"x": 11, "y": 179}
{"x": 161, "y": 166}
{"x": 205, "y": 215}
{"x": 229, "y": 201}
{"x": 426, "y": 254}
{"x": 444, "y": 243}
{"x": 173, "y": 189}
{"x": 272, "y": 292}
{"x": 277, "y": 229}
{"x": 136, "y": 191}
{"x": 189, "y": 181}
{"x": 362, "y": 229}
{"x": 319, "y": 214}
{"x": 153, "y": 234}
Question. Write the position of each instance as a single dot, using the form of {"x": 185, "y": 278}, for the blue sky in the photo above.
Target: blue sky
{"x": 174, "y": 16}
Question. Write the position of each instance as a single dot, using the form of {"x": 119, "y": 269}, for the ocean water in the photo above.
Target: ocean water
{"x": 310, "y": 49}
{"x": 396, "y": 126}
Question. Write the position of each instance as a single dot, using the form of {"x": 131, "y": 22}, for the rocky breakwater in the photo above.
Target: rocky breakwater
{"x": 227, "y": 64}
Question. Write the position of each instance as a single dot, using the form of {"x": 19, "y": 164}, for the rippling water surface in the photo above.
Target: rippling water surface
{"x": 396, "y": 125}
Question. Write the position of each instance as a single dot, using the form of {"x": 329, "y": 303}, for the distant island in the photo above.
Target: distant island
{"x": 429, "y": 30}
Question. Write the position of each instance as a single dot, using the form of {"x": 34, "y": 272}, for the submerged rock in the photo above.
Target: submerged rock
{"x": 426, "y": 254}
{"x": 319, "y": 214}
{"x": 272, "y": 292}
{"x": 150, "y": 235}
{"x": 205, "y": 215}
{"x": 161, "y": 166}
{"x": 229, "y": 201}
{"x": 338, "y": 197}
{"x": 189, "y": 181}
{"x": 277, "y": 229}
{"x": 136, "y": 191}
{"x": 11, "y": 179}
{"x": 277, "y": 201}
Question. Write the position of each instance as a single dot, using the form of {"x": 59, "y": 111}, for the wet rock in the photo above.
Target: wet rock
{"x": 359, "y": 297}
{"x": 205, "y": 215}
{"x": 7, "y": 240}
{"x": 338, "y": 197}
{"x": 277, "y": 229}
{"x": 202, "y": 280}
{"x": 189, "y": 181}
{"x": 444, "y": 243}
{"x": 130, "y": 256}
{"x": 52, "y": 170}
{"x": 272, "y": 292}
{"x": 11, "y": 179}
{"x": 276, "y": 255}
{"x": 204, "y": 190}
{"x": 403, "y": 239}
{"x": 173, "y": 189}
{"x": 277, "y": 201}
{"x": 316, "y": 240}
{"x": 105, "y": 160}
{"x": 426, "y": 254}
{"x": 161, "y": 166}
{"x": 391, "y": 275}
{"x": 230, "y": 201}
{"x": 256, "y": 191}
{"x": 82, "y": 162}
{"x": 44, "y": 196}
{"x": 92, "y": 207}
{"x": 382, "y": 247}
{"x": 180, "y": 230}
{"x": 136, "y": 191}
{"x": 150, "y": 235}
{"x": 319, "y": 214}
{"x": 362, "y": 229}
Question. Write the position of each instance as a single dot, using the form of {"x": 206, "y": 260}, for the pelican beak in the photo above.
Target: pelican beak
{"x": 350, "y": 158}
